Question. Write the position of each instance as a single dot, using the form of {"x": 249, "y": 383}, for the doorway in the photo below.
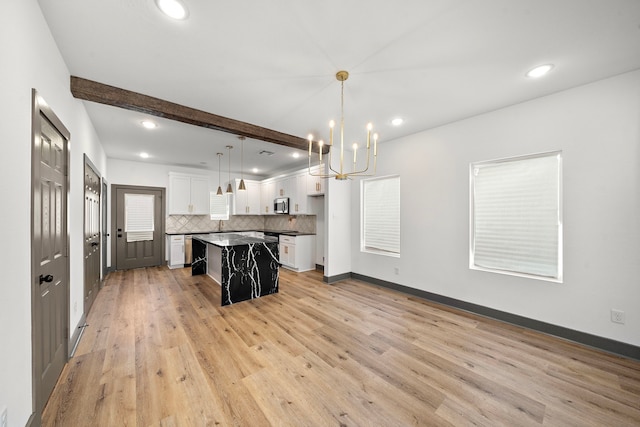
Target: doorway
{"x": 49, "y": 250}
{"x": 92, "y": 238}
{"x": 133, "y": 249}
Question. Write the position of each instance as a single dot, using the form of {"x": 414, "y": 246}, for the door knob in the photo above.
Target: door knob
{"x": 48, "y": 278}
{"x": 94, "y": 243}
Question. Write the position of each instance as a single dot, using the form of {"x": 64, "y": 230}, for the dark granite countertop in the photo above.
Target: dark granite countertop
{"x": 290, "y": 232}
{"x": 297, "y": 233}
{"x": 232, "y": 239}
{"x": 182, "y": 233}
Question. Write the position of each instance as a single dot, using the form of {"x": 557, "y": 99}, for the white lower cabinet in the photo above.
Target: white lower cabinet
{"x": 176, "y": 251}
{"x": 214, "y": 263}
{"x": 298, "y": 252}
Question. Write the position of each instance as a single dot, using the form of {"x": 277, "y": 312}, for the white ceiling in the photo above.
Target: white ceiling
{"x": 273, "y": 64}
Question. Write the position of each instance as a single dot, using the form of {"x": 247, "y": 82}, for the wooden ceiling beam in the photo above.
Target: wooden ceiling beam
{"x": 89, "y": 90}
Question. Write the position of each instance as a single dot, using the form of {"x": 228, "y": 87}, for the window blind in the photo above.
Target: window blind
{"x": 138, "y": 216}
{"x": 516, "y": 216}
{"x": 218, "y": 206}
{"x": 381, "y": 215}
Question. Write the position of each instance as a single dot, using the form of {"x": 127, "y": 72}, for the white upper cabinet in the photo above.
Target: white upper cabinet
{"x": 188, "y": 194}
{"x": 315, "y": 184}
{"x": 247, "y": 202}
{"x": 267, "y": 195}
{"x": 284, "y": 186}
{"x": 298, "y": 201}
{"x": 296, "y": 187}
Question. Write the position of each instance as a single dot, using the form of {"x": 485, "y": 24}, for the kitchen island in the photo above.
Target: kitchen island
{"x": 246, "y": 267}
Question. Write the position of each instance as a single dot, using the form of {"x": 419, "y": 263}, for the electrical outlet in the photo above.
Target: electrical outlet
{"x": 3, "y": 418}
{"x": 617, "y": 316}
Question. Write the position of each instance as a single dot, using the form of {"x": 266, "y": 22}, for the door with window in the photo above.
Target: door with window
{"x": 138, "y": 228}
{"x": 92, "y": 236}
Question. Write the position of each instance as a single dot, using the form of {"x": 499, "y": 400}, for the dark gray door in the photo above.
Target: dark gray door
{"x": 136, "y": 254}
{"x": 92, "y": 236}
{"x": 50, "y": 259}
{"x": 105, "y": 229}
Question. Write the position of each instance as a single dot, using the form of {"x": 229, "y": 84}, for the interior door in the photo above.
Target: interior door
{"x": 105, "y": 229}
{"x": 136, "y": 254}
{"x": 92, "y": 238}
{"x": 50, "y": 250}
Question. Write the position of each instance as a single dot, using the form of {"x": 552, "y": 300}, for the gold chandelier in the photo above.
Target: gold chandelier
{"x": 340, "y": 174}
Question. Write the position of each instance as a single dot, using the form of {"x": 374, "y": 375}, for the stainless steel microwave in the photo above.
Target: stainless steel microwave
{"x": 281, "y": 205}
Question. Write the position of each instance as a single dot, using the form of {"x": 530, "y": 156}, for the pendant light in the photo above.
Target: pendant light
{"x": 219, "y": 192}
{"x": 229, "y": 186}
{"x": 241, "y": 187}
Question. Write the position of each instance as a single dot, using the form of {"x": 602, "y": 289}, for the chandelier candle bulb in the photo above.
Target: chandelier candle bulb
{"x": 331, "y": 125}
{"x": 375, "y": 145}
{"x": 369, "y": 127}
{"x": 355, "y": 150}
{"x": 320, "y": 144}
{"x": 310, "y": 144}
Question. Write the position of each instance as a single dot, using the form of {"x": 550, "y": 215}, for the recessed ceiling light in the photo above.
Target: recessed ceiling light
{"x": 397, "y": 121}
{"x": 255, "y": 170}
{"x": 173, "y": 8}
{"x": 144, "y": 155}
{"x": 539, "y": 71}
{"x": 149, "y": 124}
{"x": 296, "y": 155}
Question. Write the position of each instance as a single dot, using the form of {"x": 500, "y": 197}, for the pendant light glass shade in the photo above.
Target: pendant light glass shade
{"x": 241, "y": 186}
{"x": 219, "y": 192}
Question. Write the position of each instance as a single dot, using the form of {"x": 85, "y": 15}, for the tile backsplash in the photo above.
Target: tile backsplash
{"x": 203, "y": 224}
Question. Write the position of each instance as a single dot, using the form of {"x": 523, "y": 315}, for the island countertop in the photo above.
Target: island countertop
{"x": 232, "y": 239}
{"x": 245, "y": 267}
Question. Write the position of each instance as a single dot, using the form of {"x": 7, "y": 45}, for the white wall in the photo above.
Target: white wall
{"x": 338, "y": 218}
{"x": 30, "y": 59}
{"x": 597, "y": 127}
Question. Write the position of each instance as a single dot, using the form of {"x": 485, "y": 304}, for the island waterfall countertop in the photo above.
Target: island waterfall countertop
{"x": 246, "y": 267}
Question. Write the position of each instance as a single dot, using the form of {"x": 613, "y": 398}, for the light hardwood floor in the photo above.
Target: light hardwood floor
{"x": 160, "y": 351}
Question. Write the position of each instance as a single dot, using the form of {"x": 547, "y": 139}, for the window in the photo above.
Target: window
{"x": 218, "y": 206}
{"x": 138, "y": 217}
{"x": 380, "y": 212}
{"x": 516, "y": 216}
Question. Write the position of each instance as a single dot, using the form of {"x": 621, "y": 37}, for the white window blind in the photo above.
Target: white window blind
{"x": 138, "y": 217}
{"x": 516, "y": 217}
{"x": 380, "y": 210}
{"x": 218, "y": 206}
